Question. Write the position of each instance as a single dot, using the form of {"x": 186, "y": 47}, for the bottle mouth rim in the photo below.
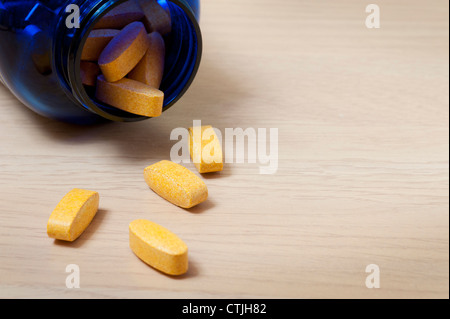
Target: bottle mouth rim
{"x": 88, "y": 19}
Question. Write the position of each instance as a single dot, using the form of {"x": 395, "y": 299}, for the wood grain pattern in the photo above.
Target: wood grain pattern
{"x": 363, "y": 165}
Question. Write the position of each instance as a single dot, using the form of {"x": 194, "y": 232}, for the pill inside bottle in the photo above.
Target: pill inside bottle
{"x": 137, "y": 54}
{"x": 51, "y": 55}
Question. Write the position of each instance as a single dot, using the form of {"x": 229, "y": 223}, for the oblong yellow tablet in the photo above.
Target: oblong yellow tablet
{"x": 156, "y": 17}
{"x": 120, "y": 16}
{"x": 124, "y": 52}
{"x": 96, "y": 43}
{"x": 158, "y": 247}
{"x": 131, "y": 96}
{"x": 176, "y": 184}
{"x": 150, "y": 69}
{"x": 89, "y": 72}
{"x": 73, "y": 214}
{"x": 205, "y": 149}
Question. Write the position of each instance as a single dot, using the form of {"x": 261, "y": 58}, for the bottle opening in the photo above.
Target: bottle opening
{"x": 182, "y": 44}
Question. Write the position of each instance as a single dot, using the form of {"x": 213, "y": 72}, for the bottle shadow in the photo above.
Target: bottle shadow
{"x": 213, "y": 91}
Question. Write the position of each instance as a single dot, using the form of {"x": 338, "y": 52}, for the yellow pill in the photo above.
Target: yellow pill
{"x": 151, "y": 68}
{"x": 40, "y": 54}
{"x": 156, "y": 17}
{"x": 158, "y": 247}
{"x": 131, "y": 96}
{"x": 96, "y": 43}
{"x": 120, "y": 16}
{"x": 124, "y": 52}
{"x": 89, "y": 72}
{"x": 73, "y": 214}
{"x": 205, "y": 149}
{"x": 176, "y": 184}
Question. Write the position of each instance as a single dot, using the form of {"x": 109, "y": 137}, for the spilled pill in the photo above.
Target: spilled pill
{"x": 96, "y": 42}
{"x": 156, "y": 18}
{"x": 150, "y": 69}
{"x": 158, "y": 247}
{"x": 124, "y": 52}
{"x": 205, "y": 149}
{"x": 73, "y": 214}
{"x": 131, "y": 96}
{"x": 120, "y": 16}
{"x": 176, "y": 184}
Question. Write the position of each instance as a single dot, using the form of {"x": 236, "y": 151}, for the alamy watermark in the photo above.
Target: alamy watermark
{"x": 373, "y": 19}
{"x": 73, "y": 279}
{"x": 73, "y": 19}
{"x": 373, "y": 279}
{"x": 234, "y": 143}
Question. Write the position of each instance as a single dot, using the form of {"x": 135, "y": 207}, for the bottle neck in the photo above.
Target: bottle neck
{"x": 183, "y": 54}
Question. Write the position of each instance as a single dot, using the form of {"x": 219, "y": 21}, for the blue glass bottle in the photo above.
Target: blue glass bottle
{"x": 40, "y": 56}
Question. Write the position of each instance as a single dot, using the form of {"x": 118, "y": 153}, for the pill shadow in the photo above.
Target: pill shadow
{"x": 216, "y": 175}
{"x": 201, "y": 208}
{"x": 87, "y": 234}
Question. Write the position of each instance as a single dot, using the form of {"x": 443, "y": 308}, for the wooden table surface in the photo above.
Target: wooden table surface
{"x": 363, "y": 173}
